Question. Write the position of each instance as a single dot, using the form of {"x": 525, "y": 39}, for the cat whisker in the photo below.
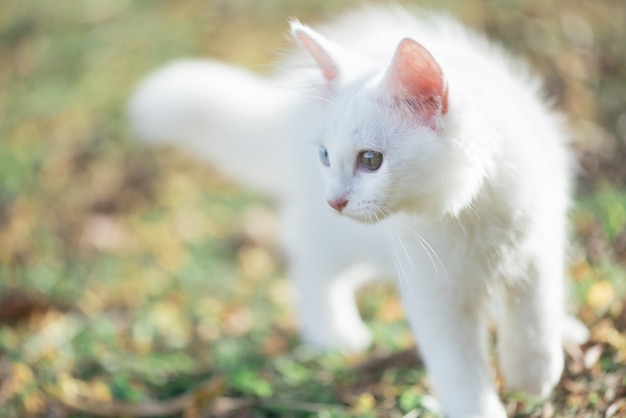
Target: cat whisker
{"x": 406, "y": 252}
{"x": 302, "y": 83}
{"x": 292, "y": 75}
{"x": 461, "y": 225}
{"x": 428, "y": 249}
{"x": 403, "y": 281}
{"x": 402, "y": 278}
{"x": 383, "y": 208}
{"x": 471, "y": 207}
{"x": 320, "y": 98}
{"x": 431, "y": 252}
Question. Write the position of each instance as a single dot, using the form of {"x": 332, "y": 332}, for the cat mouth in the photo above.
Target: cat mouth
{"x": 370, "y": 212}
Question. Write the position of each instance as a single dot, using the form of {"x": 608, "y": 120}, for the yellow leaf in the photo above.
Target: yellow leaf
{"x": 601, "y": 295}
{"x": 22, "y": 374}
{"x": 34, "y": 403}
{"x": 391, "y": 310}
{"x": 99, "y": 391}
{"x": 255, "y": 262}
{"x": 364, "y": 403}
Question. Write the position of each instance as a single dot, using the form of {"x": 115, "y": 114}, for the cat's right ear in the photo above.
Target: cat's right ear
{"x": 323, "y": 51}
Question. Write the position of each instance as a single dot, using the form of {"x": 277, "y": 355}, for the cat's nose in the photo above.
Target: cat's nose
{"x": 338, "y": 204}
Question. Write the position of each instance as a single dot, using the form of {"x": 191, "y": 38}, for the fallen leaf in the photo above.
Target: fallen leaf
{"x": 592, "y": 355}
{"x": 105, "y": 233}
{"x": 615, "y": 408}
{"x": 18, "y": 304}
{"x": 206, "y": 392}
{"x": 601, "y": 295}
{"x": 548, "y": 410}
{"x": 573, "y": 386}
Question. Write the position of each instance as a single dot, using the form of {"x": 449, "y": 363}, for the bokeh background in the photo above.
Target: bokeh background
{"x": 139, "y": 282}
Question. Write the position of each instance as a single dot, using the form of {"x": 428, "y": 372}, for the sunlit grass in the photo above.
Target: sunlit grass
{"x": 139, "y": 269}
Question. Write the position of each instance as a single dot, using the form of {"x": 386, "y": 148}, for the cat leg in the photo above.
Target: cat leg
{"x": 530, "y": 333}
{"x": 328, "y": 313}
{"x": 452, "y": 339}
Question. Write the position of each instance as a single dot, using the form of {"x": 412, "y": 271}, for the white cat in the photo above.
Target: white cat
{"x": 413, "y": 148}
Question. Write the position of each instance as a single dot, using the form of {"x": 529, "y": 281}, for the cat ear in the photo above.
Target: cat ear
{"x": 415, "y": 78}
{"x": 322, "y": 50}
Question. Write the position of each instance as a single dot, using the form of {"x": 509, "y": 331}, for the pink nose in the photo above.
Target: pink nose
{"x": 338, "y": 204}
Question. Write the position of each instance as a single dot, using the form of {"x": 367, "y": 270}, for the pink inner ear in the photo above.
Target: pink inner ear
{"x": 328, "y": 66}
{"x": 416, "y": 77}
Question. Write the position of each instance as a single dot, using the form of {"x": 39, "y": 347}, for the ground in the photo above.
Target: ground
{"x": 139, "y": 282}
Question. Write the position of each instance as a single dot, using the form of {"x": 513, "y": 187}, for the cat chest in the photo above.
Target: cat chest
{"x": 479, "y": 254}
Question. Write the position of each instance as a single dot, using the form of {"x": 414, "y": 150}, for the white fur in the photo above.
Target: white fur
{"x": 474, "y": 212}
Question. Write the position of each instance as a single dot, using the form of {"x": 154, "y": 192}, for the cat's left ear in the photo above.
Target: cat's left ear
{"x": 324, "y": 52}
{"x": 415, "y": 78}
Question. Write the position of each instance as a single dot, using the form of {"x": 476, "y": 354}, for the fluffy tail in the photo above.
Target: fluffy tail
{"x": 225, "y": 115}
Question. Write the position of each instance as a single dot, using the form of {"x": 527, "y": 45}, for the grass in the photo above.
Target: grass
{"x": 136, "y": 282}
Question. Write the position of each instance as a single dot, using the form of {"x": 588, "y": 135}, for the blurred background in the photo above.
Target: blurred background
{"x": 138, "y": 282}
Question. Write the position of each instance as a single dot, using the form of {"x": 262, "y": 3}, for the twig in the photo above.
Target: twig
{"x": 404, "y": 358}
{"x": 206, "y": 391}
{"x": 294, "y": 405}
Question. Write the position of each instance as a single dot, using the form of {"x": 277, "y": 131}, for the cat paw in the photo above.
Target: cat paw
{"x": 477, "y": 406}
{"x": 534, "y": 373}
{"x": 357, "y": 338}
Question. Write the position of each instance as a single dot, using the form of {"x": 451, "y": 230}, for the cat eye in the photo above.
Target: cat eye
{"x": 324, "y": 156}
{"x": 370, "y": 160}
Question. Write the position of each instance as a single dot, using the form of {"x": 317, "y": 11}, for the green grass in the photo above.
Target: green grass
{"x": 129, "y": 274}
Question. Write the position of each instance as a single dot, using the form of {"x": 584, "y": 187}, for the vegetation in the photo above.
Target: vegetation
{"x": 138, "y": 282}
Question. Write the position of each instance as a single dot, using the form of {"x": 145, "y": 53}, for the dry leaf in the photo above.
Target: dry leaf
{"x": 601, "y": 295}
{"x": 592, "y": 355}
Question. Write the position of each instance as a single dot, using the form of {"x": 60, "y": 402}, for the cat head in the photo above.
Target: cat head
{"x": 388, "y": 144}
